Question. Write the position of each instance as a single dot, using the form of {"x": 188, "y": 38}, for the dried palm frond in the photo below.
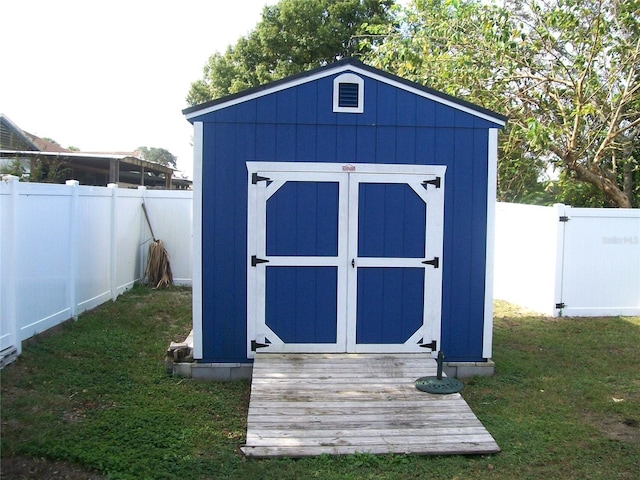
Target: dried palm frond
{"x": 158, "y": 272}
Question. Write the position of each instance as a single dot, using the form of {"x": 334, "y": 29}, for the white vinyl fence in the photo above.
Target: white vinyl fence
{"x": 67, "y": 248}
{"x": 568, "y": 261}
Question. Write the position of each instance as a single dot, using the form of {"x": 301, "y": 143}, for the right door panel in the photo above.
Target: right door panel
{"x": 395, "y": 227}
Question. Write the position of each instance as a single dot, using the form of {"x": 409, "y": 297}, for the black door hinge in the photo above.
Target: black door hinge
{"x": 435, "y": 262}
{"x": 564, "y": 218}
{"x": 256, "y": 345}
{"x": 431, "y": 345}
{"x": 561, "y": 305}
{"x": 255, "y": 260}
{"x": 255, "y": 178}
{"x": 435, "y": 182}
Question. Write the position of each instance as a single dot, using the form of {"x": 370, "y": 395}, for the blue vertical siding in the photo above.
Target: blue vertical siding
{"x": 307, "y": 140}
{"x": 266, "y": 109}
{"x": 306, "y": 96}
{"x": 307, "y": 293}
{"x": 298, "y": 124}
{"x": 346, "y": 141}
{"x": 465, "y": 245}
{"x": 405, "y": 109}
{"x": 386, "y": 106}
{"x": 302, "y": 219}
{"x": 386, "y": 145}
{"x": 327, "y": 144}
{"x": 390, "y": 304}
{"x": 365, "y": 145}
{"x": 479, "y": 228}
{"x": 265, "y": 142}
{"x": 220, "y": 215}
{"x": 401, "y": 211}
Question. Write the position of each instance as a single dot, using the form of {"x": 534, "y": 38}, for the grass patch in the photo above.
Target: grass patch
{"x": 564, "y": 403}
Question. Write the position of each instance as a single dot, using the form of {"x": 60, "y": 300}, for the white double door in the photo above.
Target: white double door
{"x": 344, "y": 258}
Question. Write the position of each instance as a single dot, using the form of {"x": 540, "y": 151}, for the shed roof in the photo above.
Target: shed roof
{"x": 351, "y": 65}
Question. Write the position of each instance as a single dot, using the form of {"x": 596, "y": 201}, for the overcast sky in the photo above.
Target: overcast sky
{"x": 113, "y": 75}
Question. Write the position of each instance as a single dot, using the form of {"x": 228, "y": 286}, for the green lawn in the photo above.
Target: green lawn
{"x": 564, "y": 403}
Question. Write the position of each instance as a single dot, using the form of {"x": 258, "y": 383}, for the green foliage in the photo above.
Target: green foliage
{"x": 14, "y": 167}
{"x": 95, "y": 394}
{"x": 567, "y": 73}
{"x": 158, "y": 155}
{"x": 293, "y": 36}
{"x": 49, "y": 170}
{"x": 42, "y": 170}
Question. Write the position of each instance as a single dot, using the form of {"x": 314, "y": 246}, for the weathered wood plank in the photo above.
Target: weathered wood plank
{"x": 313, "y": 380}
{"x": 459, "y": 448}
{"x": 378, "y": 415}
{"x": 436, "y": 401}
{"x": 323, "y": 395}
{"x": 364, "y": 441}
{"x": 305, "y": 405}
{"x": 375, "y": 431}
{"x": 255, "y": 413}
{"x": 299, "y": 423}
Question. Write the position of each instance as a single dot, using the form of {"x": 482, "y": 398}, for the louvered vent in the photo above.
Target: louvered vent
{"x": 348, "y": 95}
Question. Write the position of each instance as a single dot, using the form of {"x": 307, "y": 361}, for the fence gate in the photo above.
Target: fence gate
{"x": 598, "y": 262}
{"x": 344, "y": 258}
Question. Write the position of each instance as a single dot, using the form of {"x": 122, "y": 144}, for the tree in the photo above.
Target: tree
{"x": 293, "y": 36}
{"x": 48, "y": 170}
{"x": 14, "y": 167}
{"x": 567, "y": 72}
{"x": 158, "y": 155}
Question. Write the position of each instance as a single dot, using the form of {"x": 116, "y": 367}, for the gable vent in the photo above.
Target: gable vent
{"x": 348, "y": 93}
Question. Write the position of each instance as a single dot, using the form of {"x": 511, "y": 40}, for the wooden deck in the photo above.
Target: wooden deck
{"x": 313, "y": 404}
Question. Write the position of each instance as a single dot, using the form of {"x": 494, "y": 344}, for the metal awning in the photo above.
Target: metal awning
{"x": 116, "y": 167}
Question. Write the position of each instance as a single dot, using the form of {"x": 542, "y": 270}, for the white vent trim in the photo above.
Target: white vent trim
{"x": 348, "y": 78}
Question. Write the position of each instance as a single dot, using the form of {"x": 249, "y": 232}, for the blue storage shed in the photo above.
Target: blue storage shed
{"x": 343, "y": 209}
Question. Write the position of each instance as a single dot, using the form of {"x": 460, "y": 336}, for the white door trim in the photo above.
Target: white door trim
{"x": 281, "y": 172}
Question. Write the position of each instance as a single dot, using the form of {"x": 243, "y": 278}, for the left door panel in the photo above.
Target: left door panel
{"x": 298, "y": 268}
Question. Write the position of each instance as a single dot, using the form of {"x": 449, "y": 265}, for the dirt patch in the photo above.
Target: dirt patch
{"x": 24, "y": 468}
{"x": 621, "y": 429}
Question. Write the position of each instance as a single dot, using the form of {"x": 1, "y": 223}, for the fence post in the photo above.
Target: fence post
{"x": 143, "y": 243}
{"x": 73, "y": 248}
{"x": 113, "y": 284}
{"x": 11, "y": 270}
{"x": 560, "y": 213}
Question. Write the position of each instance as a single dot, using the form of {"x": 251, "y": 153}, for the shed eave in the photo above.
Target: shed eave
{"x": 351, "y": 65}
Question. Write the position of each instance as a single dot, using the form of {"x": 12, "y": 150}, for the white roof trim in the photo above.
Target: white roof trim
{"x": 436, "y": 98}
{"x": 338, "y": 69}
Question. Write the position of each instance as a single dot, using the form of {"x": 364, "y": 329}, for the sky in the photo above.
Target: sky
{"x": 113, "y": 75}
